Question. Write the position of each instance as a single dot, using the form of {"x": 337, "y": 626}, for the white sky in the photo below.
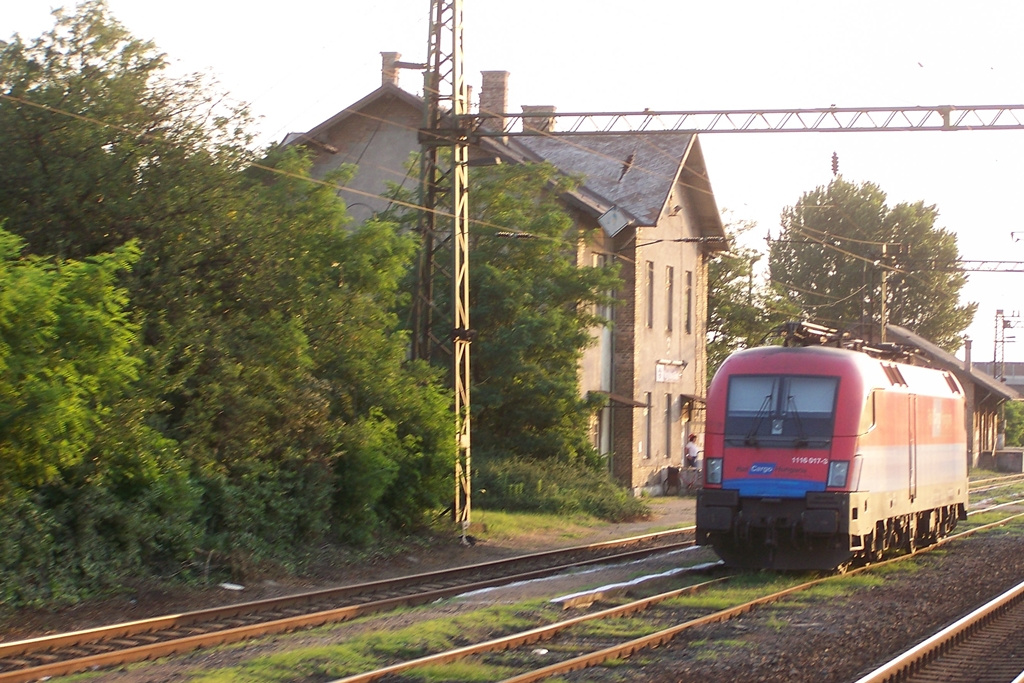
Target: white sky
{"x": 300, "y": 62}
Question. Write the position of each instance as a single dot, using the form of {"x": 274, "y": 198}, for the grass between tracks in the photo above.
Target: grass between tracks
{"x": 373, "y": 650}
{"x": 1005, "y": 492}
{"x": 376, "y": 649}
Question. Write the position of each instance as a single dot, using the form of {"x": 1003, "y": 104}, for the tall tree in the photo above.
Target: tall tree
{"x": 534, "y": 311}
{"x": 840, "y": 244}
{"x": 271, "y": 366}
{"x": 99, "y": 147}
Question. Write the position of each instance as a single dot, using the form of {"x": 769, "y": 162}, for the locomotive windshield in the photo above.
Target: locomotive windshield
{"x": 781, "y": 410}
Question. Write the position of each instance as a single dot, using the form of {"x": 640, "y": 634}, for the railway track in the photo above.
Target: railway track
{"x": 35, "y": 658}
{"x": 982, "y": 647}
{"x": 995, "y": 483}
{"x": 585, "y": 650}
{"x": 46, "y": 656}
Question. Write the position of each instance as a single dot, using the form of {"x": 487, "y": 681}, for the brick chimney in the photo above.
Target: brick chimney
{"x": 389, "y": 68}
{"x": 539, "y": 117}
{"x": 494, "y": 97}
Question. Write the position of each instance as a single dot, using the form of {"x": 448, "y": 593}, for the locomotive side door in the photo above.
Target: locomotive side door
{"x": 912, "y": 447}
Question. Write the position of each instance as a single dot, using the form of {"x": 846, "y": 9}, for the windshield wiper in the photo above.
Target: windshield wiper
{"x": 801, "y": 439}
{"x": 751, "y": 438}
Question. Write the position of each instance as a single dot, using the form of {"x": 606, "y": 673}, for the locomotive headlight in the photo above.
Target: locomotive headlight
{"x": 714, "y": 470}
{"x": 837, "y": 471}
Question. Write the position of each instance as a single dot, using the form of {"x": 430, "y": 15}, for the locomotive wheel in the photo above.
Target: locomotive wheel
{"x": 876, "y": 547}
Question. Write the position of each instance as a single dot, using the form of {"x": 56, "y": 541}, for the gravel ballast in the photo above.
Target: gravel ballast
{"x": 842, "y": 638}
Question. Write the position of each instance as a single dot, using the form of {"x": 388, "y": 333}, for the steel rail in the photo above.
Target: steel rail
{"x": 996, "y": 506}
{"x": 992, "y": 483}
{"x": 99, "y": 638}
{"x": 929, "y": 650}
{"x": 181, "y": 629}
{"x": 1004, "y": 477}
{"x": 19, "y": 647}
{"x": 545, "y": 632}
{"x": 661, "y": 637}
{"x": 525, "y": 637}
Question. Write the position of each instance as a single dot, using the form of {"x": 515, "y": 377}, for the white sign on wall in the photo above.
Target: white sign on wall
{"x": 669, "y": 370}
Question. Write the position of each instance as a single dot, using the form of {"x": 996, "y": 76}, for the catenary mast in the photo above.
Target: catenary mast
{"x": 444, "y": 183}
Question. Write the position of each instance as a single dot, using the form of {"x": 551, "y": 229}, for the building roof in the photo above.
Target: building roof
{"x": 953, "y": 364}
{"x": 316, "y": 134}
{"x": 631, "y": 172}
{"x": 634, "y": 172}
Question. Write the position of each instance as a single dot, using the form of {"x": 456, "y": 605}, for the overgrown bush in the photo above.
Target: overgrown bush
{"x": 62, "y": 543}
{"x": 524, "y": 485}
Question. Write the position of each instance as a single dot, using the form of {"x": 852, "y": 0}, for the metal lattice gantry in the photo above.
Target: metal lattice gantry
{"x": 823, "y": 120}
{"x": 977, "y": 266}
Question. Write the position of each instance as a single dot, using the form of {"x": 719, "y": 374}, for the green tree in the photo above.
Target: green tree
{"x": 272, "y": 363}
{"x": 533, "y": 309}
{"x": 742, "y": 308}
{"x": 837, "y": 243}
{"x": 65, "y": 358}
{"x": 98, "y": 147}
{"x": 87, "y": 488}
{"x": 1014, "y": 423}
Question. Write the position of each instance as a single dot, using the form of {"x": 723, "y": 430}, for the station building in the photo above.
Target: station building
{"x": 985, "y": 397}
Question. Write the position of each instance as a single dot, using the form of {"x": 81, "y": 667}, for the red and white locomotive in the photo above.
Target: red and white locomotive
{"x": 816, "y": 456}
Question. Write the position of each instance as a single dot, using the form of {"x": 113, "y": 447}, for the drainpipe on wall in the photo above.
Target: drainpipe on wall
{"x": 969, "y": 408}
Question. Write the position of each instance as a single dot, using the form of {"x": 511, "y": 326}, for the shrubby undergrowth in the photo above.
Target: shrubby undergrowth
{"x": 517, "y": 484}
{"x": 201, "y": 360}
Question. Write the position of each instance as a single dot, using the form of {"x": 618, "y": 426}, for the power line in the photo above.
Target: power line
{"x": 285, "y": 173}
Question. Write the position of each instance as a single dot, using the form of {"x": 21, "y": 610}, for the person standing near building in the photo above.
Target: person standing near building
{"x": 691, "y": 451}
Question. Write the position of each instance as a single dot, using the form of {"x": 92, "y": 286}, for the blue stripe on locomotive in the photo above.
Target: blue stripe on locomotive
{"x": 762, "y": 484}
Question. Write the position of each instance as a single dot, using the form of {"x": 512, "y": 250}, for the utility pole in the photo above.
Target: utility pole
{"x": 1003, "y": 322}
{"x": 444, "y": 181}
{"x": 885, "y": 281}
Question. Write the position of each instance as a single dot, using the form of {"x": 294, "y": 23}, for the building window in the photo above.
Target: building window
{"x": 668, "y": 425}
{"x": 647, "y": 419}
{"x": 689, "y": 302}
{"x": 670, "y": 285}
{"x": 650, "y": 295}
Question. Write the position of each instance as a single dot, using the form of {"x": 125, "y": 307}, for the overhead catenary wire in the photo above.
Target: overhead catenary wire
{"x": 403, "y": 175}
{"x": 835, "y": 299}
{"x": 477, "y": 222}
{"x": 281, "y": 172}
{"x": 344, "y": 188}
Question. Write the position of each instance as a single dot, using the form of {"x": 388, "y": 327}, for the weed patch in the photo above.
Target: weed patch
{"x": 373, "y": 650}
